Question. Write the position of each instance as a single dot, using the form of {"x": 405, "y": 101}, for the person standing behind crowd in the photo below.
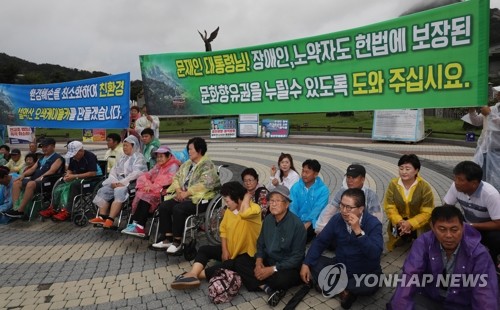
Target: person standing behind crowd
{"x": 114, "y": 151}
{"x": 149, "y": 186}
{"x": 408, "y": 203}
{"x": 450, "y": 252}
{"x": 15, "y": 163}
{"x": 487, "y": 154}
{"x": 148, "y": 121}
{"x": 30, "y": 179}
{"x": 355, "y": 178}
{"x": 115, "y": 188}
{"x": 286, "y": 174}
{"x": 33, "y": 149}
{"x": 239, "y": 230}
{"x": 309, "y": 196}
{"x": 149, "y": 145}
{"x": 250, "y": 180}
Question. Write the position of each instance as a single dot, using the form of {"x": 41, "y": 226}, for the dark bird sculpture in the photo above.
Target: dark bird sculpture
{"x": 208, "y": 40}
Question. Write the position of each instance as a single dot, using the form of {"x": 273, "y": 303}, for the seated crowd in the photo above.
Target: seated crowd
{"x": 265, "y": 229}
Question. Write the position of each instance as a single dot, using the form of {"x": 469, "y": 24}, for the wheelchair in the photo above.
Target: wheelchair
{"x": 208, "y": 221}
{"x": 125, "y": 212}
{"x": 83, "y": 208}
{"x": 41, "y": 199}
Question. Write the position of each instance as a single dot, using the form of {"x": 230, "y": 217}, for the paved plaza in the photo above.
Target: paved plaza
{"x": 47, "y": 265}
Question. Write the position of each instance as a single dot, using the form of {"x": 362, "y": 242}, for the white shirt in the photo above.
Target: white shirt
{"x": 482, "y": 206}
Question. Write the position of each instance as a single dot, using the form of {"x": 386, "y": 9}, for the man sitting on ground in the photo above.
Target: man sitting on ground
{"x": 309, "y": 196}
{"x": 31, "y": 179}
{"x": 450, "y": 251}
{"x": 480, "y": 202}
{"x": 280, "y": 250}
{"x": 359, "y": 243}
{"x": 355, "y": 178}
{"x": 82, "y": 165}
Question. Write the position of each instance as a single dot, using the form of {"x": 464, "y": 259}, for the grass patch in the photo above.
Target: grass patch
{"x": 308, "y": 122}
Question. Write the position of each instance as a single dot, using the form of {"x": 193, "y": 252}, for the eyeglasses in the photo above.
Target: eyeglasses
{"x": 273, "y": 201}
{"x": 348, "y": 208}
{"x": 249, "y": 180}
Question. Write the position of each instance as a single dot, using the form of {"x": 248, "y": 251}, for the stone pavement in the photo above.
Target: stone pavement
{"x": 47, "y": 265}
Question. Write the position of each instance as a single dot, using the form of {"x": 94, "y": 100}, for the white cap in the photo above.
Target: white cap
{"x": 73, "y": 148}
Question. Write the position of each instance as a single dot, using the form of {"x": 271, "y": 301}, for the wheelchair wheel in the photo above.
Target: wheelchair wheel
{"x": 213, "y": 217}
{"x": 80, "y": 219}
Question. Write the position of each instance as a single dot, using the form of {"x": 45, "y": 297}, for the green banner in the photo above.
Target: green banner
{"x": 433, "y": 59}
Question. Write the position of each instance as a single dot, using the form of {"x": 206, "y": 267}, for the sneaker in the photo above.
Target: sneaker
{"x": 14, "y": 214}
{"x": 172, "y": 249}
{"x": 108, "y": 223}
{"x": 49, "y": 212}
{"x": 184, "y": 283}
{"x": 275, "y": 298}
{"x": 97, "y": 221}
{"x": 134, "y": 230}
{"x": 162, "y": 244}
{"x": 62, "y": 216}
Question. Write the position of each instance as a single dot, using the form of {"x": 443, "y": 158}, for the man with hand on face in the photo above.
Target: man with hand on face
{"x": 358, "y": 238}
{"x": 449, "y": 252}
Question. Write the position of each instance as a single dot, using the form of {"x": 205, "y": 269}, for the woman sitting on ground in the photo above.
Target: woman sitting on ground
{"x": 408, "y": 203}
{"x": 193, "y": 187}
{"x": 286, "y": 174}
{"x": 149, "y": 186}
{"x": 239, "y": 231}
{"x": 115, "y": 188}
{"x": 257, "y": 191}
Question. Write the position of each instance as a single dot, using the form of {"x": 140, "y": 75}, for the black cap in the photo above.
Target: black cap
{"x": 47, "y": 141}
{"x": 15, "y": 152}
{"x": 355, "y": 171}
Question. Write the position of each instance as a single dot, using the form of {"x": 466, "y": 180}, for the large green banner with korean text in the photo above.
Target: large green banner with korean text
{"x": 433, "y": 59}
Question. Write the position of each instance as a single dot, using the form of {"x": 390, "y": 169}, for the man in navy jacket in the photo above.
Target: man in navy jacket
{"x": 359, "y": 244}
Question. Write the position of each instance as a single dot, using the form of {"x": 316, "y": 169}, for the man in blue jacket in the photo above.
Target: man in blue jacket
{"x": 309, "y": 196}
{"x": 458, "y": 269}
{"x": 358, "y": 237}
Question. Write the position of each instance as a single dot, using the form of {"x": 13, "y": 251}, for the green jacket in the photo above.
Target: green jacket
{"x": 148, "y": 150}
{"x": 203, "y": 182}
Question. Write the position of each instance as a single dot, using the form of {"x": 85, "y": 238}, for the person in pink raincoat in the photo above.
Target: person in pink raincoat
{"x": 148, "y": 188}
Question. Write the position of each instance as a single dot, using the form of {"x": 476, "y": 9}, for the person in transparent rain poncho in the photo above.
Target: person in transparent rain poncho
{"x": 115, "y": 188}
{"x": 488, "y": 145}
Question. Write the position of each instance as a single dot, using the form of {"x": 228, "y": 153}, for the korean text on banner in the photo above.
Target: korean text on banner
{"x": 435, "y": 58}
{"x": 94, "y": 103}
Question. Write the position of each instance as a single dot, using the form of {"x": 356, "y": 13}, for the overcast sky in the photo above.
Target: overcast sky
{"x": 109, "y": 35}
